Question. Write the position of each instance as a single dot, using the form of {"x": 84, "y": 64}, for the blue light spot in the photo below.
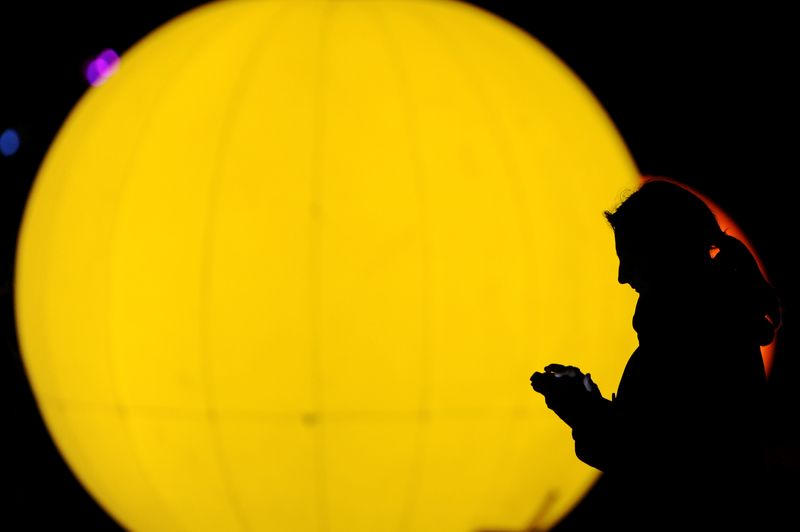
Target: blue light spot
{"x": 9, "y": 142}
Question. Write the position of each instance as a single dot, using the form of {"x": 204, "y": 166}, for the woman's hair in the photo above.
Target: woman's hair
{"x": 663, "y": 213}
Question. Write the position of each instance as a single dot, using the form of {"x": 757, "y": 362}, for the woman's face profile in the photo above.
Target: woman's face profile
{"x": 630, "y": 263}
{"x": 648, "y": 263}
{"x": 640, "y": 264}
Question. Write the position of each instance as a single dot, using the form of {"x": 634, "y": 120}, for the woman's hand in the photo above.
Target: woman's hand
{"x": 567, "y": 391}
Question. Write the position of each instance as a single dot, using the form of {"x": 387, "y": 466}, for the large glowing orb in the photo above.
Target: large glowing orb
{"x": 292, "y": 266}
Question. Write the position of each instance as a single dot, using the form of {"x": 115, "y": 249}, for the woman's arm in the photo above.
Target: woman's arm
{"x": 596, "y": 436}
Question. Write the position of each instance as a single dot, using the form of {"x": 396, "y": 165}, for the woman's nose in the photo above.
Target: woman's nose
{"x": 622, "y": 274}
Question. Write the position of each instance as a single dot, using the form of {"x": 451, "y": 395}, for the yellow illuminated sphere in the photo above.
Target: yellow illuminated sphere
{"x": 291, "y": 268}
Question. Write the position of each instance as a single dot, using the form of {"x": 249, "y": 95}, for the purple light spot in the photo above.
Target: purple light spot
{"x": 109, "y": 57}
{"x": 92, "y": 75}
{"x": 102, "y": 67}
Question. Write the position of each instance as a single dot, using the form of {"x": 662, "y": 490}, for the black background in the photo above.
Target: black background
{"x": 701, "y": 96}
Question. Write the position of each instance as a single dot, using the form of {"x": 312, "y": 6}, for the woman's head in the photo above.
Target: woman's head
{"x": 664, "y": 236}
{"x": 667, "y": 239}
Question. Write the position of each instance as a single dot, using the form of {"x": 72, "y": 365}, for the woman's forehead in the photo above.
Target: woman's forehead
{"x": 632, "y": 243}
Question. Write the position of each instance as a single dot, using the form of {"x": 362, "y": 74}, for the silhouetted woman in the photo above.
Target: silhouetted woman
{"x": 683, "y": 442}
